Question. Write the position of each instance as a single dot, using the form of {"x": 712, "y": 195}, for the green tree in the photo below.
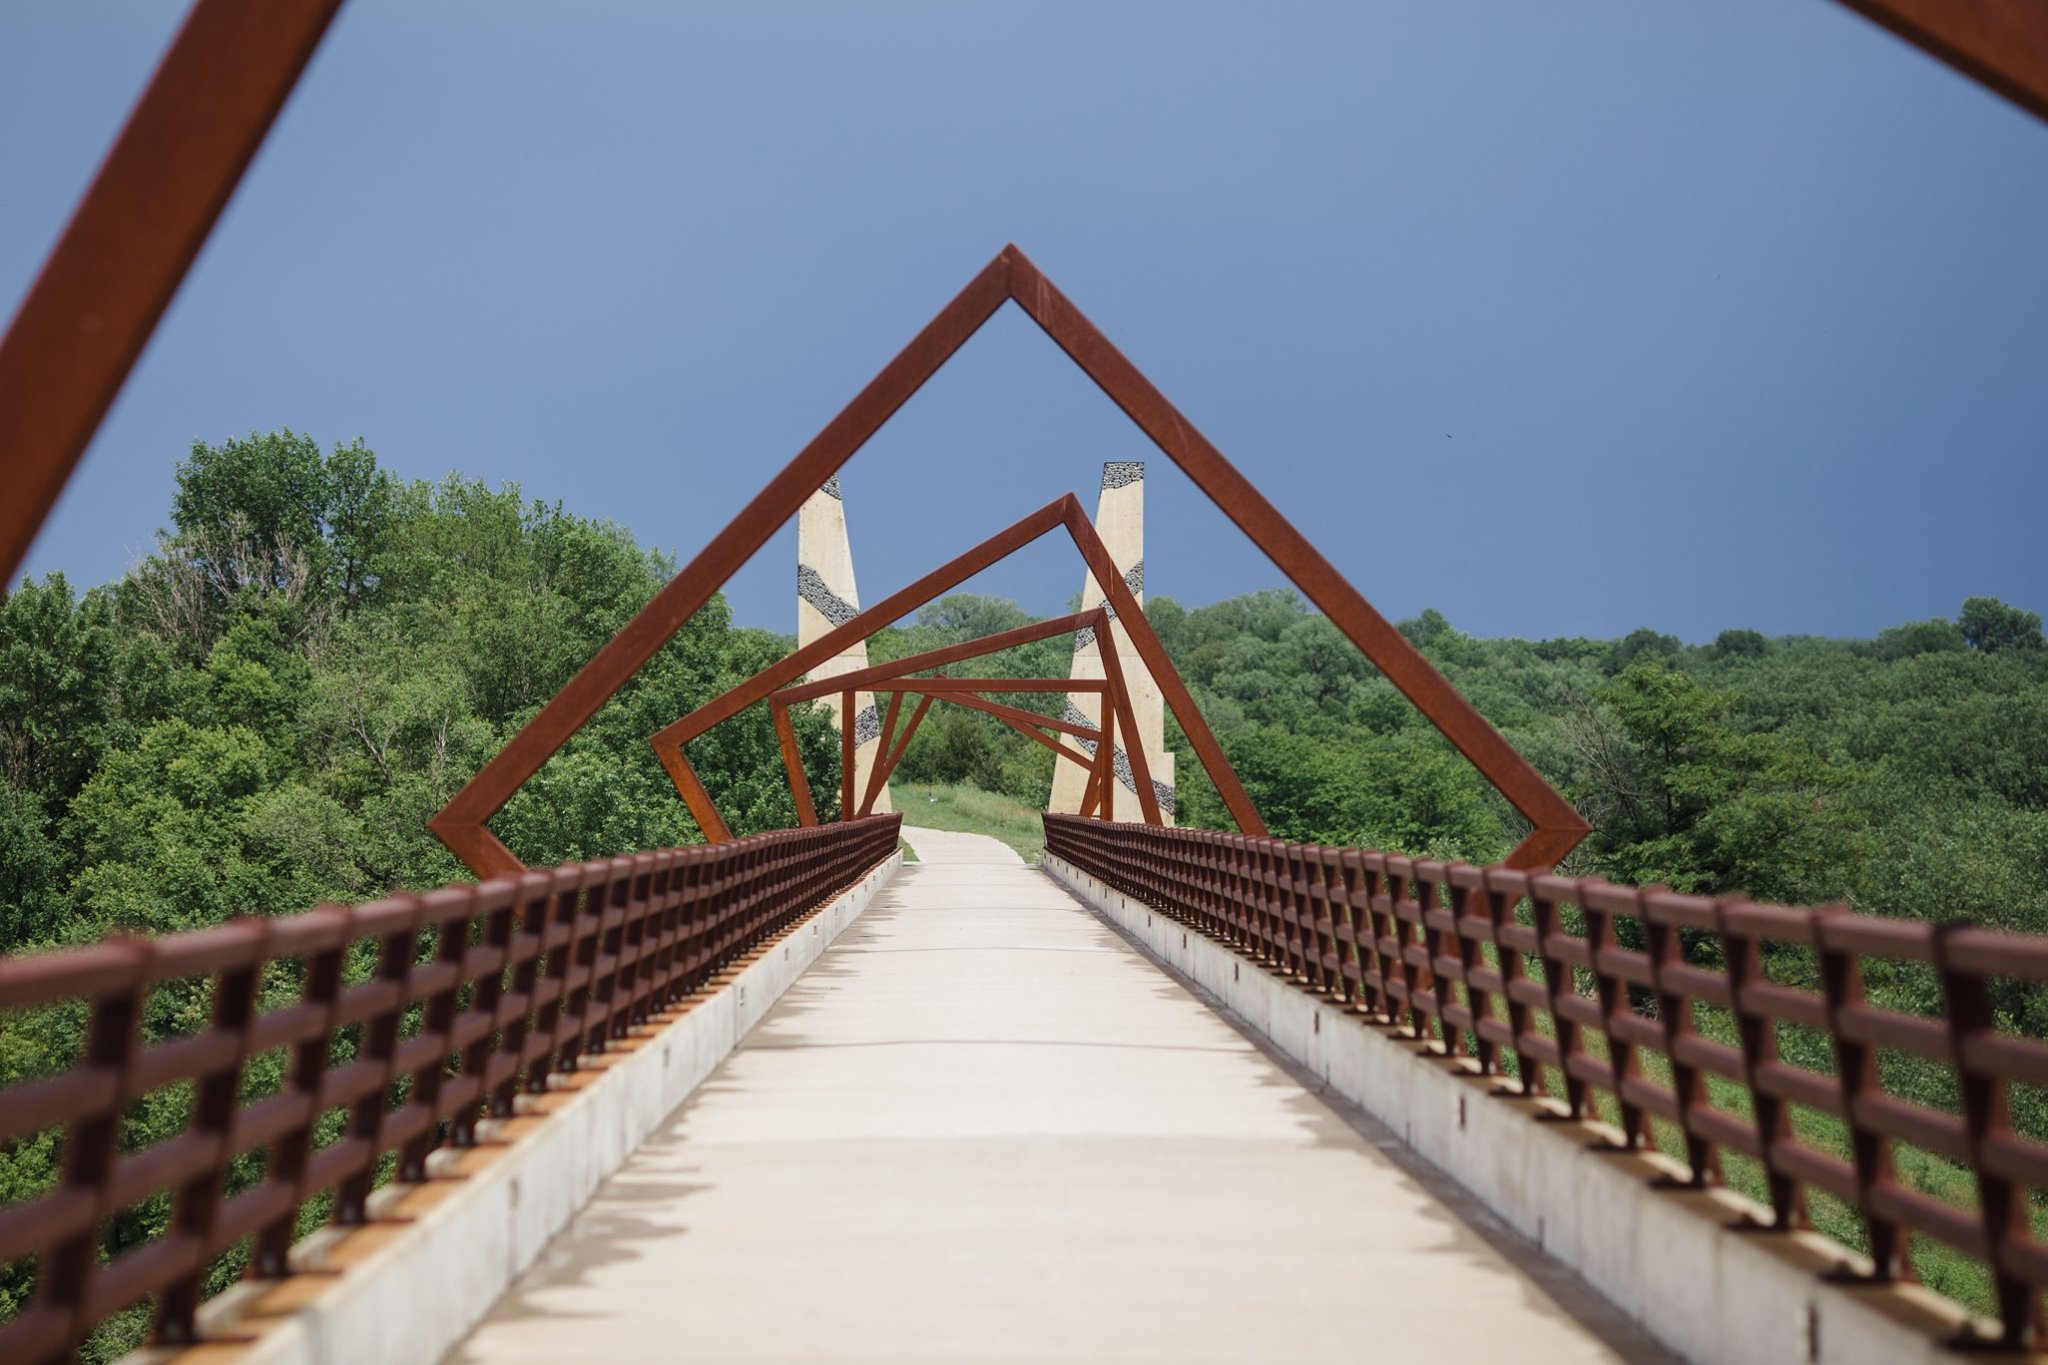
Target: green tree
{"x": 56, "y": 671}
{"x": 1740, "y": 644}
{"x": 1990, "y": 625}
{"x": 1680, "y": 796}
{"x": 1918, "y": 637}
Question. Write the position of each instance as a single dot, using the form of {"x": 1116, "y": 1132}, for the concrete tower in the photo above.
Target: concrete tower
{"x": 825, "y": 598}
{"x": 1120, "y": 521}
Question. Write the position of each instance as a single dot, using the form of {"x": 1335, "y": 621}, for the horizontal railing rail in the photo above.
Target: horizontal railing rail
{"x": 1591, "y": 991}
{"x": 401, "y": 1024}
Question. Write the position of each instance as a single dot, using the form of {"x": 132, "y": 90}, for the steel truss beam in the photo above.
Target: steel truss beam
{"x": 211, "y": 102}
{"x": 1556, "y": 826}
{"x": 895, "y": 677}
{"x": 1023, "y": 722}
{"x": 149, "y": 209}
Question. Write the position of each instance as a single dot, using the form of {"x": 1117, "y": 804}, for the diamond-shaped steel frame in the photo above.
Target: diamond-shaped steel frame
{"x": 1010, "y": 277}
{"x": 208, "y": 107}
{"x": 894, "y": 676}
{"x": 959, "y": 692}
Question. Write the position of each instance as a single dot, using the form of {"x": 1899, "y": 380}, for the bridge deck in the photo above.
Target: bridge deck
{"x": 984, "y": 1127}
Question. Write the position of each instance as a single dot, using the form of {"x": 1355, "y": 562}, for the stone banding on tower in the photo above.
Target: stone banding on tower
{"x": 1120, "y": 521}
{"x": 826, "y": 598}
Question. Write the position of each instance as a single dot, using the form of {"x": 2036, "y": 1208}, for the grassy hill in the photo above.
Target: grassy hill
{"x": 970, "y": 810}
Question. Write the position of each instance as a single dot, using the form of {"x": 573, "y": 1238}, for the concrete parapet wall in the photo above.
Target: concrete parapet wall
{"x": 409, "y": 1285}
{"x": 1685, "y": 1263}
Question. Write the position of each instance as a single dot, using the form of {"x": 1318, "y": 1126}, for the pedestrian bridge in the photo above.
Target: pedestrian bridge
{"x": 1170, "y": 1095}
{"x": 986, "y": 1126}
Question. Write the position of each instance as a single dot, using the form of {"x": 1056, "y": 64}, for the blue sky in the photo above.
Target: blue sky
{"x": 1562, "y": 317}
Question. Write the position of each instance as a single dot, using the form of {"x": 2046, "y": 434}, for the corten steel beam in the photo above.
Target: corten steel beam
{"x": 2000, "y": 44}
{"x": 940, "y": 686}
{"x": 888, "y": 741}
{"x": 888, "y": 761}
{"x": 779, "y": 702}
{"x": 846, "y": 747}
{"x": 799, "y": 785}
{"x": 1065, "y": 513}
{"x": 460, "y": 824}
{"x": 1026, "y": 723}
{"x": 1088, "y": 791}
{"x": 1031, "y": 732}
{"x": 1554, "y": 819}
{"x": 957, "y": 690}
{"x": 1010, "y": 276}
{"x": 939, "y": 658}
{"x": 1008, "y": 715}
{"x": 1106, "y": 762}
{"x": 1096, "y": 619}
{"x": 1065, "y": 727}
{"x": 134, "y": 235}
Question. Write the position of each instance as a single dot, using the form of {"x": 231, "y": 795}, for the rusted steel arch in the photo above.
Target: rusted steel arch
{"x": 894, "y": 755}
{"x": 846, "y": 684}
{"x": 211, "y": 102}
{"x": 875, "y": 677}
{"x": 959, "y": 691}
{"x": 150, "y": 208}
{"x": 2000, "y": 44}
{"x": 1555, "y": 826}
{"x": 927, "y": 691}
{"x": 1065, "y": 512}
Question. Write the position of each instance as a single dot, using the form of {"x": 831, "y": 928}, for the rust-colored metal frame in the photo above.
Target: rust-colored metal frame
{"x": 148, "y": 211}
{"x": 959, "y": 691}
{"x": 1063, "y": 513}
{"x": 211, "y": 102}
{"x": 877, "y": 677}
{"x": 1556, "y": 827}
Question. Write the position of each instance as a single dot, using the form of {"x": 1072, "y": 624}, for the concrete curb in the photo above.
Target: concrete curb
{"x": 436, "y": 1256}
{"x": 1675, "y": 1260}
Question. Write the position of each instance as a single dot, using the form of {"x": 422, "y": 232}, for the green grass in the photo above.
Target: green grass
{"x": 970, "y": 810}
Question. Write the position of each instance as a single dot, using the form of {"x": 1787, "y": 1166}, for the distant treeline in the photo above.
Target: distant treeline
{"x": 263, "y": 713}
{"x": 1907, "y": 774}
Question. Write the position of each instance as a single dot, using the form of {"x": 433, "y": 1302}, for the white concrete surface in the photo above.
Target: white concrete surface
{"x": 1673, "y": 1259}
{"x": 437, "y": 1256}
{"x": 984, "y": 1128}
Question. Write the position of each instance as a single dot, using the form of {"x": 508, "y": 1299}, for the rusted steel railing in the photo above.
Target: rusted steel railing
{"x": 1595, "y": 994}
{"x": 406, "y": 1021}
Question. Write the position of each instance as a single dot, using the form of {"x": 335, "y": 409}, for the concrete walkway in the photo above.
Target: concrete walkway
{"x": 985, "y": 1128}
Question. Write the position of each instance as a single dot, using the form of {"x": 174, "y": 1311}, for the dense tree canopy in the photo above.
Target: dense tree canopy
{"x": 265, "y": 711}
{"x": 1907, "y": 775}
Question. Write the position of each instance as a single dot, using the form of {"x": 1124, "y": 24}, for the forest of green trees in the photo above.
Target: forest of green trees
{"x": 262, "y": 714}
{"x": 1907, "y": 775}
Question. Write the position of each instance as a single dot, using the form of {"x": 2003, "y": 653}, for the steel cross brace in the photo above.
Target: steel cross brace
{"x": 879, "y": 677}
{"x": 1011, "y": 277}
